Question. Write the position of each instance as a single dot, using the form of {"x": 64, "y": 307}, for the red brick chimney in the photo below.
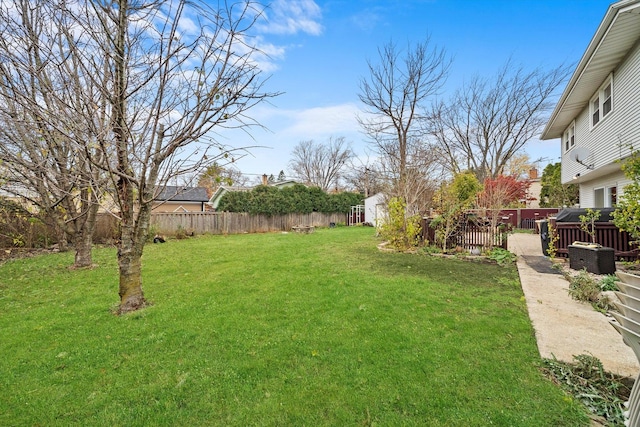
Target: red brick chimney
{"x": 533, "y": 173}
{"x": 265, "y": 179}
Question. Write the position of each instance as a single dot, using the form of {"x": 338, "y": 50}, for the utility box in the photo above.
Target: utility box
{"x": 594, "y": 258}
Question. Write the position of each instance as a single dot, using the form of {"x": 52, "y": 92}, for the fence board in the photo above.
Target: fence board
{"x": 607, "y": 234}
{"x": 238, "y": 223}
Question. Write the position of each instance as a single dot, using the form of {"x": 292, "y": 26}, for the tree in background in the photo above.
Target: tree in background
{"x": 519, "y": 166}
{"x": 365, "y": 177}
{"x": 321, "y": 165}
{"x": 395, "y": 95}
{"x": 503, "y": 192}
{"x": 422, "y": 177}
{"x": 402, "y": 231}
{"x": 554, "y": 194}
{"x": 167, "y": 87}
{"x": 488, "y": 121}
{"x": 464, "y": 188}
{"x": 451, "y": 201}
{"x": 499, "y": 193}
{"x": 215, "y": 176}
{"x": 51, "y": 111}
{"x": 626, "y": 216}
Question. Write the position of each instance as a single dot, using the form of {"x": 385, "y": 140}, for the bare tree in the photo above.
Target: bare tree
{"x": 423, "y": 174}
{"x": 488, "y": 121}
{"x": 50, "y": 112}
{"x": 519, "y": 165}
{"x": 365, "y": 176}
{"x": 395, "y": 94}
{"x": 216, "y": 175}
{"x": 497, "y": 194}
{"x": 176, "y": 71}
{"x": 321, "y": 165}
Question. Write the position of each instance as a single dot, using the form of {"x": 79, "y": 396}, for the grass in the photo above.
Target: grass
{"x": 273, "y": 330}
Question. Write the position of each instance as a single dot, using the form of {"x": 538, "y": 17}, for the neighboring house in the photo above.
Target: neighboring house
{"x": 284, "y": 184}
{"x": 214, "y": 201}
{"x": 9, "y": 192}
{"x": 598, "y": 115}
{"x": 181, "y": 199}
{"x": 375, "y": 209}
{"x": 533, "y": 192}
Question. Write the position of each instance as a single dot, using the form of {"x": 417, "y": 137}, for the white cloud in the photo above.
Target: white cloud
{"x": 323, "y": 121}
{"x": 268, "y": 54}
{"x": 367, "y": 20}
{"x": 291, "y": 17}
{"x": 287, "y": 127}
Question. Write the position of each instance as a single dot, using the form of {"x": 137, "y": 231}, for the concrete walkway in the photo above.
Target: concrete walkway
{"x": 563, "y": 326}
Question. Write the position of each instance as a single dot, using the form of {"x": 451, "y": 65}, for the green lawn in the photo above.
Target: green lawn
{"x": 273, "y": 330}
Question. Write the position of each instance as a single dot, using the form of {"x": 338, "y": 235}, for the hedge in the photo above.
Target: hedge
{"x": 298, "y": 198}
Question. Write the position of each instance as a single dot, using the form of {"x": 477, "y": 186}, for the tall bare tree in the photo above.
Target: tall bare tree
{"x": 319, "y": 164}
{"x": 396, "y": 93}
{"x": 489, "y": 121}
{"x": 365, "y": 176}
{"x": 423, "y": 174}
{"x": 519, "y": 165}
{"x": 179, "y": 70}
{"x": 50, "y": 112}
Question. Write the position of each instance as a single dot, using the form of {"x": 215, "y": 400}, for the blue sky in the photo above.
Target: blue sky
{"x": 320, "y": 51}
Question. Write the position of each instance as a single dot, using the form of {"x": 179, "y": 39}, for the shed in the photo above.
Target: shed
{"x": 375, "y": 209}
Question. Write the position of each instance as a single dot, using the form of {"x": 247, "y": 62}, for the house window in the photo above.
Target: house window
{"x": 602, "y": 102}
{"x": 606, "y": 103}
{"x": 612, "y": 197}
{"x": 595, "y": 115}
{"x": 598, "y": 199}
{"x": 605, "y": 197}
{"x": 569, "y": 137}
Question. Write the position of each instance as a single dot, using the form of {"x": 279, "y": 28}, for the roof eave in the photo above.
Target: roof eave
{"x": 553, "y": 129}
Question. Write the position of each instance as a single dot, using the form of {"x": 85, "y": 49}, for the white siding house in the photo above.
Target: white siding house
{"x": 598, "y": 115}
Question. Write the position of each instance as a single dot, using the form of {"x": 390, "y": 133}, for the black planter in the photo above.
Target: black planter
{"x": 597, "y": 260}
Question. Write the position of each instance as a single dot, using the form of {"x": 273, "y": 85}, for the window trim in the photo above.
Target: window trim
{"x": 569, "y": 137}
{"x": 598, "y": 102}
{"x": 607, "y": 196}
{"x": 611, "y": 195}
{"x": 595, "y": 197}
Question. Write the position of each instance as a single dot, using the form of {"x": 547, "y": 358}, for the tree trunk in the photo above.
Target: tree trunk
{"x": 131, "y": 245}
{"x": 83, "y": 240}
{"x": 130, "y": 253}
{"x": 82, "y": 247}
{"x": 61, "y": 238}
{"x": 131, "y": 296}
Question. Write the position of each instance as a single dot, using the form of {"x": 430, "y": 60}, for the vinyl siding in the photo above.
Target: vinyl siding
{"x": 610, "y": 139}
{"x": 587, "y": 189}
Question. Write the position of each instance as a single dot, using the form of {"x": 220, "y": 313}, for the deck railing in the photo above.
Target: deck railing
{"x": 468, "y": 235}
{"x": 607, "y": 234}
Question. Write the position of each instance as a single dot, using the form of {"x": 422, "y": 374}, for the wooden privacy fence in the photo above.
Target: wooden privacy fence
{"x": 607, "y": 235}
{"x": 237, "y": 223}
